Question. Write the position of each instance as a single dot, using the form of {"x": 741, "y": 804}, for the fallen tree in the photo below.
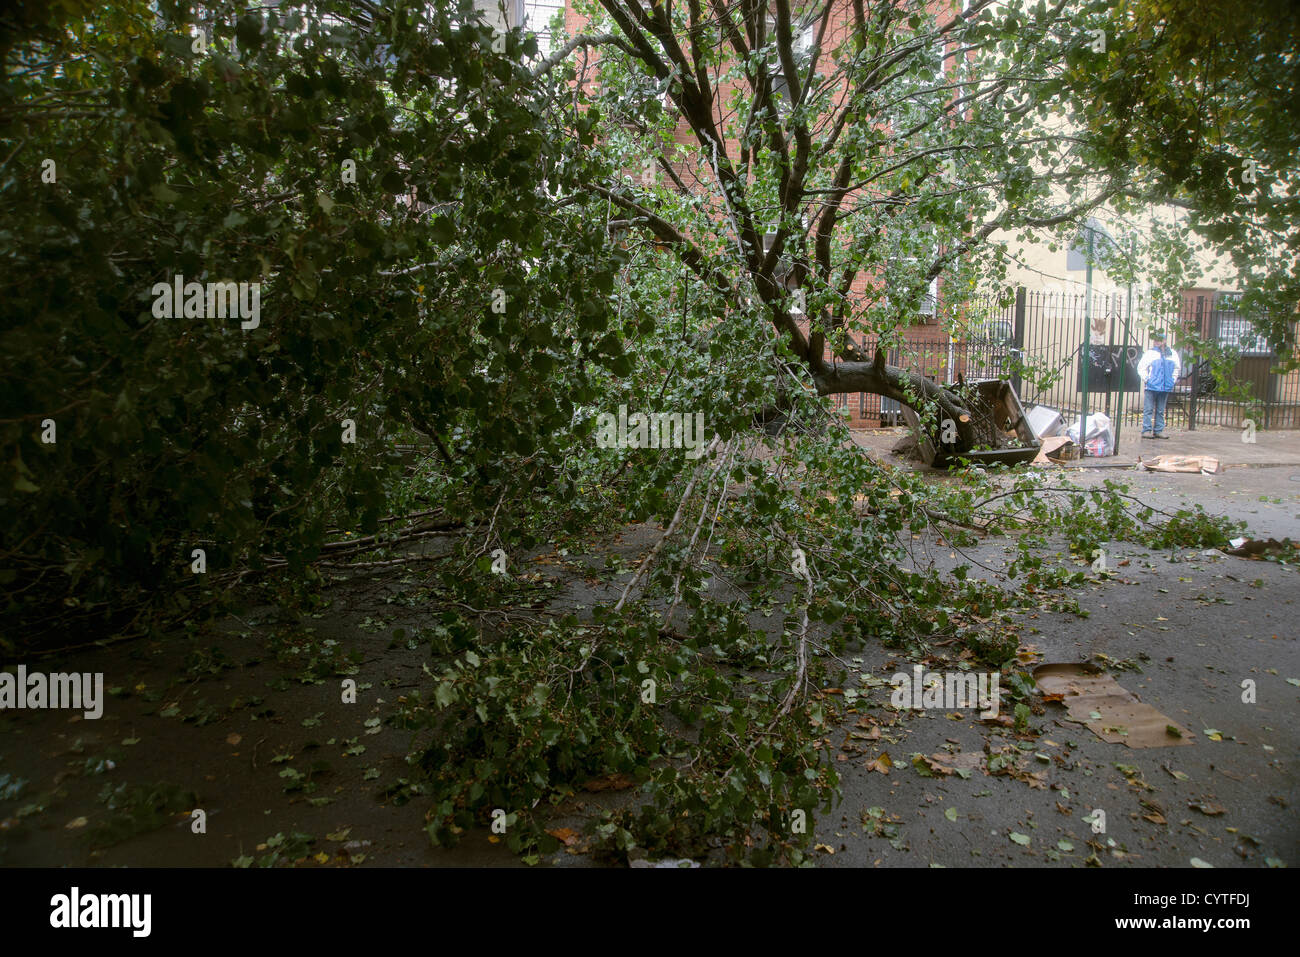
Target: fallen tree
{"x": 827, "y": 161}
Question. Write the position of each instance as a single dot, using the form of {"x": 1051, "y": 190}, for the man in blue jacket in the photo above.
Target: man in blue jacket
{"x": 1159, "y": 369}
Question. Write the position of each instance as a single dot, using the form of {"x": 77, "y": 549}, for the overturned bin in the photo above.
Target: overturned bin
{"x": 1002, "y": 435}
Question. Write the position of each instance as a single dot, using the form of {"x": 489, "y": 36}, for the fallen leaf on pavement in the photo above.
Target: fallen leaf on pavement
{"x": 565, "y": 835}
{"x": 881, "y": 764}
{"x": 610, "y": 782}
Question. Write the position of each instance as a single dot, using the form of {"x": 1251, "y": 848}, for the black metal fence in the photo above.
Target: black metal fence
{"x": 1039, "y": 340}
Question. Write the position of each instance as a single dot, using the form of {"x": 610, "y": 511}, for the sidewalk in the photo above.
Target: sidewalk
{"x": 1280, "y": 447}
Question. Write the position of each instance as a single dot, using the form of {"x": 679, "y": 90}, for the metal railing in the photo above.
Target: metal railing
{"x": 1036, "y": 339}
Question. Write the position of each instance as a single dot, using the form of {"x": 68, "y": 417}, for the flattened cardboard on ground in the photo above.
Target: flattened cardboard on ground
{"x": 1182, "y": 463}
{"x": 1086, "y": 691}
{"x": 1050, "y": 450}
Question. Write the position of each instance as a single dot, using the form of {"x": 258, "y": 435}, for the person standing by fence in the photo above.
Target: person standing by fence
{"x": 1159, "y": 369}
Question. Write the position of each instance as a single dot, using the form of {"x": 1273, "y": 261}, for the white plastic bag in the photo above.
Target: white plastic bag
{"x": 1100, "y": 440}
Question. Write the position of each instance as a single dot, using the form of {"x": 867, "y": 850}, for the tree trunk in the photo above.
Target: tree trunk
{"x": 881, "y": 379}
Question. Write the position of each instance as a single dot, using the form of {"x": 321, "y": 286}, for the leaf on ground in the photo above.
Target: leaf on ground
{"x": 881, "y": 764}
{"x": 610, "y": 782}
{"x": 339, "y": 835}
{"x": 232, "y": 739}
{"x": 1197, "y": 862}
{"x": 565, "y": 835}
{"x": 75, "y": 823}
{"x": 1021, "y": 839}
{"x": 951, "y": 814}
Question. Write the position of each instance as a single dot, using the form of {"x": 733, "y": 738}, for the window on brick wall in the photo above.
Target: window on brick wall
{"x": 784, "y": 264}
{"x": 804, "y": 36}
{"x": 537, "y": 18}
{"x": 1236, "y": 331}
{"x": 930, "y": 301}
{"x": 926, "y": 310}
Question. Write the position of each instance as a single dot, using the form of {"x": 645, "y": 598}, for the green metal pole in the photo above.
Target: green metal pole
{"x": 1087, "y": 350}
{"x": 1123, "y": 352}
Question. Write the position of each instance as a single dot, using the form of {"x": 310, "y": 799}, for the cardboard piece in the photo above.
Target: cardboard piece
{"x": 1183, "y": 463}
{"x": 1086, "y": 691}
{"x": 1050, "y": 451}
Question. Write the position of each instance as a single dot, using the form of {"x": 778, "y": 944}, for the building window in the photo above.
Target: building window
{"x": 804, "y": 36}
{"x": 537, "y": 18}
{"x": 1236, "y": 331}
{"x": 931, "y": 299}
{"x": 927, "y": 305}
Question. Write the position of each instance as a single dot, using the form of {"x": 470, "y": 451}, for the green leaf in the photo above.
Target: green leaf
{"x": 445, "y": 694}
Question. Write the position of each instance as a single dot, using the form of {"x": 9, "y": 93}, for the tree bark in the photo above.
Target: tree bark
{"x": 891, "y": 381}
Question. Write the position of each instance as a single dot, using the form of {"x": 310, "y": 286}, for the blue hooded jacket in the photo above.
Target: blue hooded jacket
{"x": 1163, "y": 366}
